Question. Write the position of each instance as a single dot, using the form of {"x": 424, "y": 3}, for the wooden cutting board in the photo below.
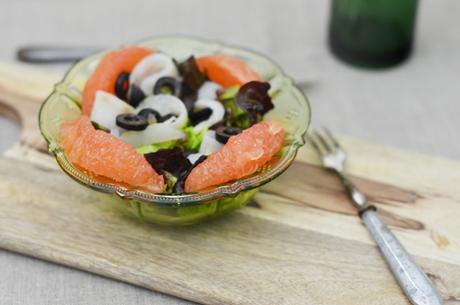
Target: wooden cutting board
{"x": 299, "y": 242}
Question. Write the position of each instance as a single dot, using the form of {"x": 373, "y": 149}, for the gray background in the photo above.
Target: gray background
{"x": 415, "y": 106}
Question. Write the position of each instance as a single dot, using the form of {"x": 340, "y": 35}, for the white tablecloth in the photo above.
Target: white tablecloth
{"x": 415, "y": 106}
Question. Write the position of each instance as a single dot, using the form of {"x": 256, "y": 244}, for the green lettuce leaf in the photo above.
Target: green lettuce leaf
{"x": 236, "y": 116}
{"x": 193, "y": 139}
{"x": 155, "y": 147}
{"x": 170, "y": 181}
{"x": 229, "y": 93}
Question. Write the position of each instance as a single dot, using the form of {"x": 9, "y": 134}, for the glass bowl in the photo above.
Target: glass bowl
{"x": 291, "y": 110}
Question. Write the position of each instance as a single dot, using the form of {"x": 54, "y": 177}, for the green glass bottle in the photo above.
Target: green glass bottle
{"x": 372, "y": 33}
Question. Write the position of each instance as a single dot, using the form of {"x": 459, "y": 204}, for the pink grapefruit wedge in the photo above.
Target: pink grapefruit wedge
{"x": 241, "y": 156}
{"x": 104, "y": 154}
{"x": 107, "y": 72}
{"x": 227, "y": 70}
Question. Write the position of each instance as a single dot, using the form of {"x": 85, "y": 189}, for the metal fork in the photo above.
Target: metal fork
{"x": 413, "y": 281}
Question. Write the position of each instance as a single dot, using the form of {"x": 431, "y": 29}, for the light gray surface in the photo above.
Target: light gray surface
{"x": 9, "y": 132}
{"x": 415, "y": 106}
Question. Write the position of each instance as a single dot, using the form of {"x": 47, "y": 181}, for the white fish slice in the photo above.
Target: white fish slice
{"x": 146, "y": 73}
{"x": 209, "y": 143}
{"x": 153, "y": 134}
{"x": 166, "y": 104}
{"x": 106, "y": 108}
{"x": 218, "y": 112}
{"x": 208, "y": 91}
{"x": 194, "y": 157}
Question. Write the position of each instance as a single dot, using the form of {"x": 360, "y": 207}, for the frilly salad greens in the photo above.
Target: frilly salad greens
{"x": 176, "y": 116}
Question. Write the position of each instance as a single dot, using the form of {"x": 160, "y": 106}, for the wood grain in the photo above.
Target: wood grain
{"x": 299, "y": 242}
{"x": 22, "y": 89}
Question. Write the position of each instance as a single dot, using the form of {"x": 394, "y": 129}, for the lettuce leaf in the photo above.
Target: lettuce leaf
{"x": 193, "y": 139}
{"x": 246, "y": 105}
{"x": 170, "y": 182}
{"x": 173, "y": 165}
{"x": 155, "y": 147}
{"x": 235, "y": 115}
{"x": 253, "y": 97}
{"x": 229, "y": 93}
{"x": 191, "y": 74}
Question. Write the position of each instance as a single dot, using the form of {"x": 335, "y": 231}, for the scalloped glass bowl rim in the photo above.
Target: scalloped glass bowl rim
{"x": 185, "y": 200}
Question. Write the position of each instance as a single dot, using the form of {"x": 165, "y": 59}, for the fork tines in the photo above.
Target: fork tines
{"x": 323, "y": 142}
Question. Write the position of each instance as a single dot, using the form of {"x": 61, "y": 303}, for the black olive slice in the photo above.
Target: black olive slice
{"x": 223, "y": 133}
{"x": 199, "y": 116}
{"x": 166, "y": 117}
{"x": 136, "y": 96}
{"x": 122, "y": 86}
{"x": 149, "y": 113}
{"x": 167, "y": 85}
{"x": 131, "y": 121}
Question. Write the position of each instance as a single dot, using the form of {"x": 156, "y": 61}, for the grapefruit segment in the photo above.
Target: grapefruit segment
{"x": 227, "y": 70}
{"x": 106, "y": 73}
{"x": 105, "y": 155}
{"x": 241, "y": 156}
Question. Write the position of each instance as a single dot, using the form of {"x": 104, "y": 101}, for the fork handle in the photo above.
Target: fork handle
{"x": 413, "y": 281}
{"x": 357, "y": 198}
{"x": 50, "y": 54}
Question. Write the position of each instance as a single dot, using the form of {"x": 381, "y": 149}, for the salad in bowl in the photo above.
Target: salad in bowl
{"x": 175, "y": 130}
